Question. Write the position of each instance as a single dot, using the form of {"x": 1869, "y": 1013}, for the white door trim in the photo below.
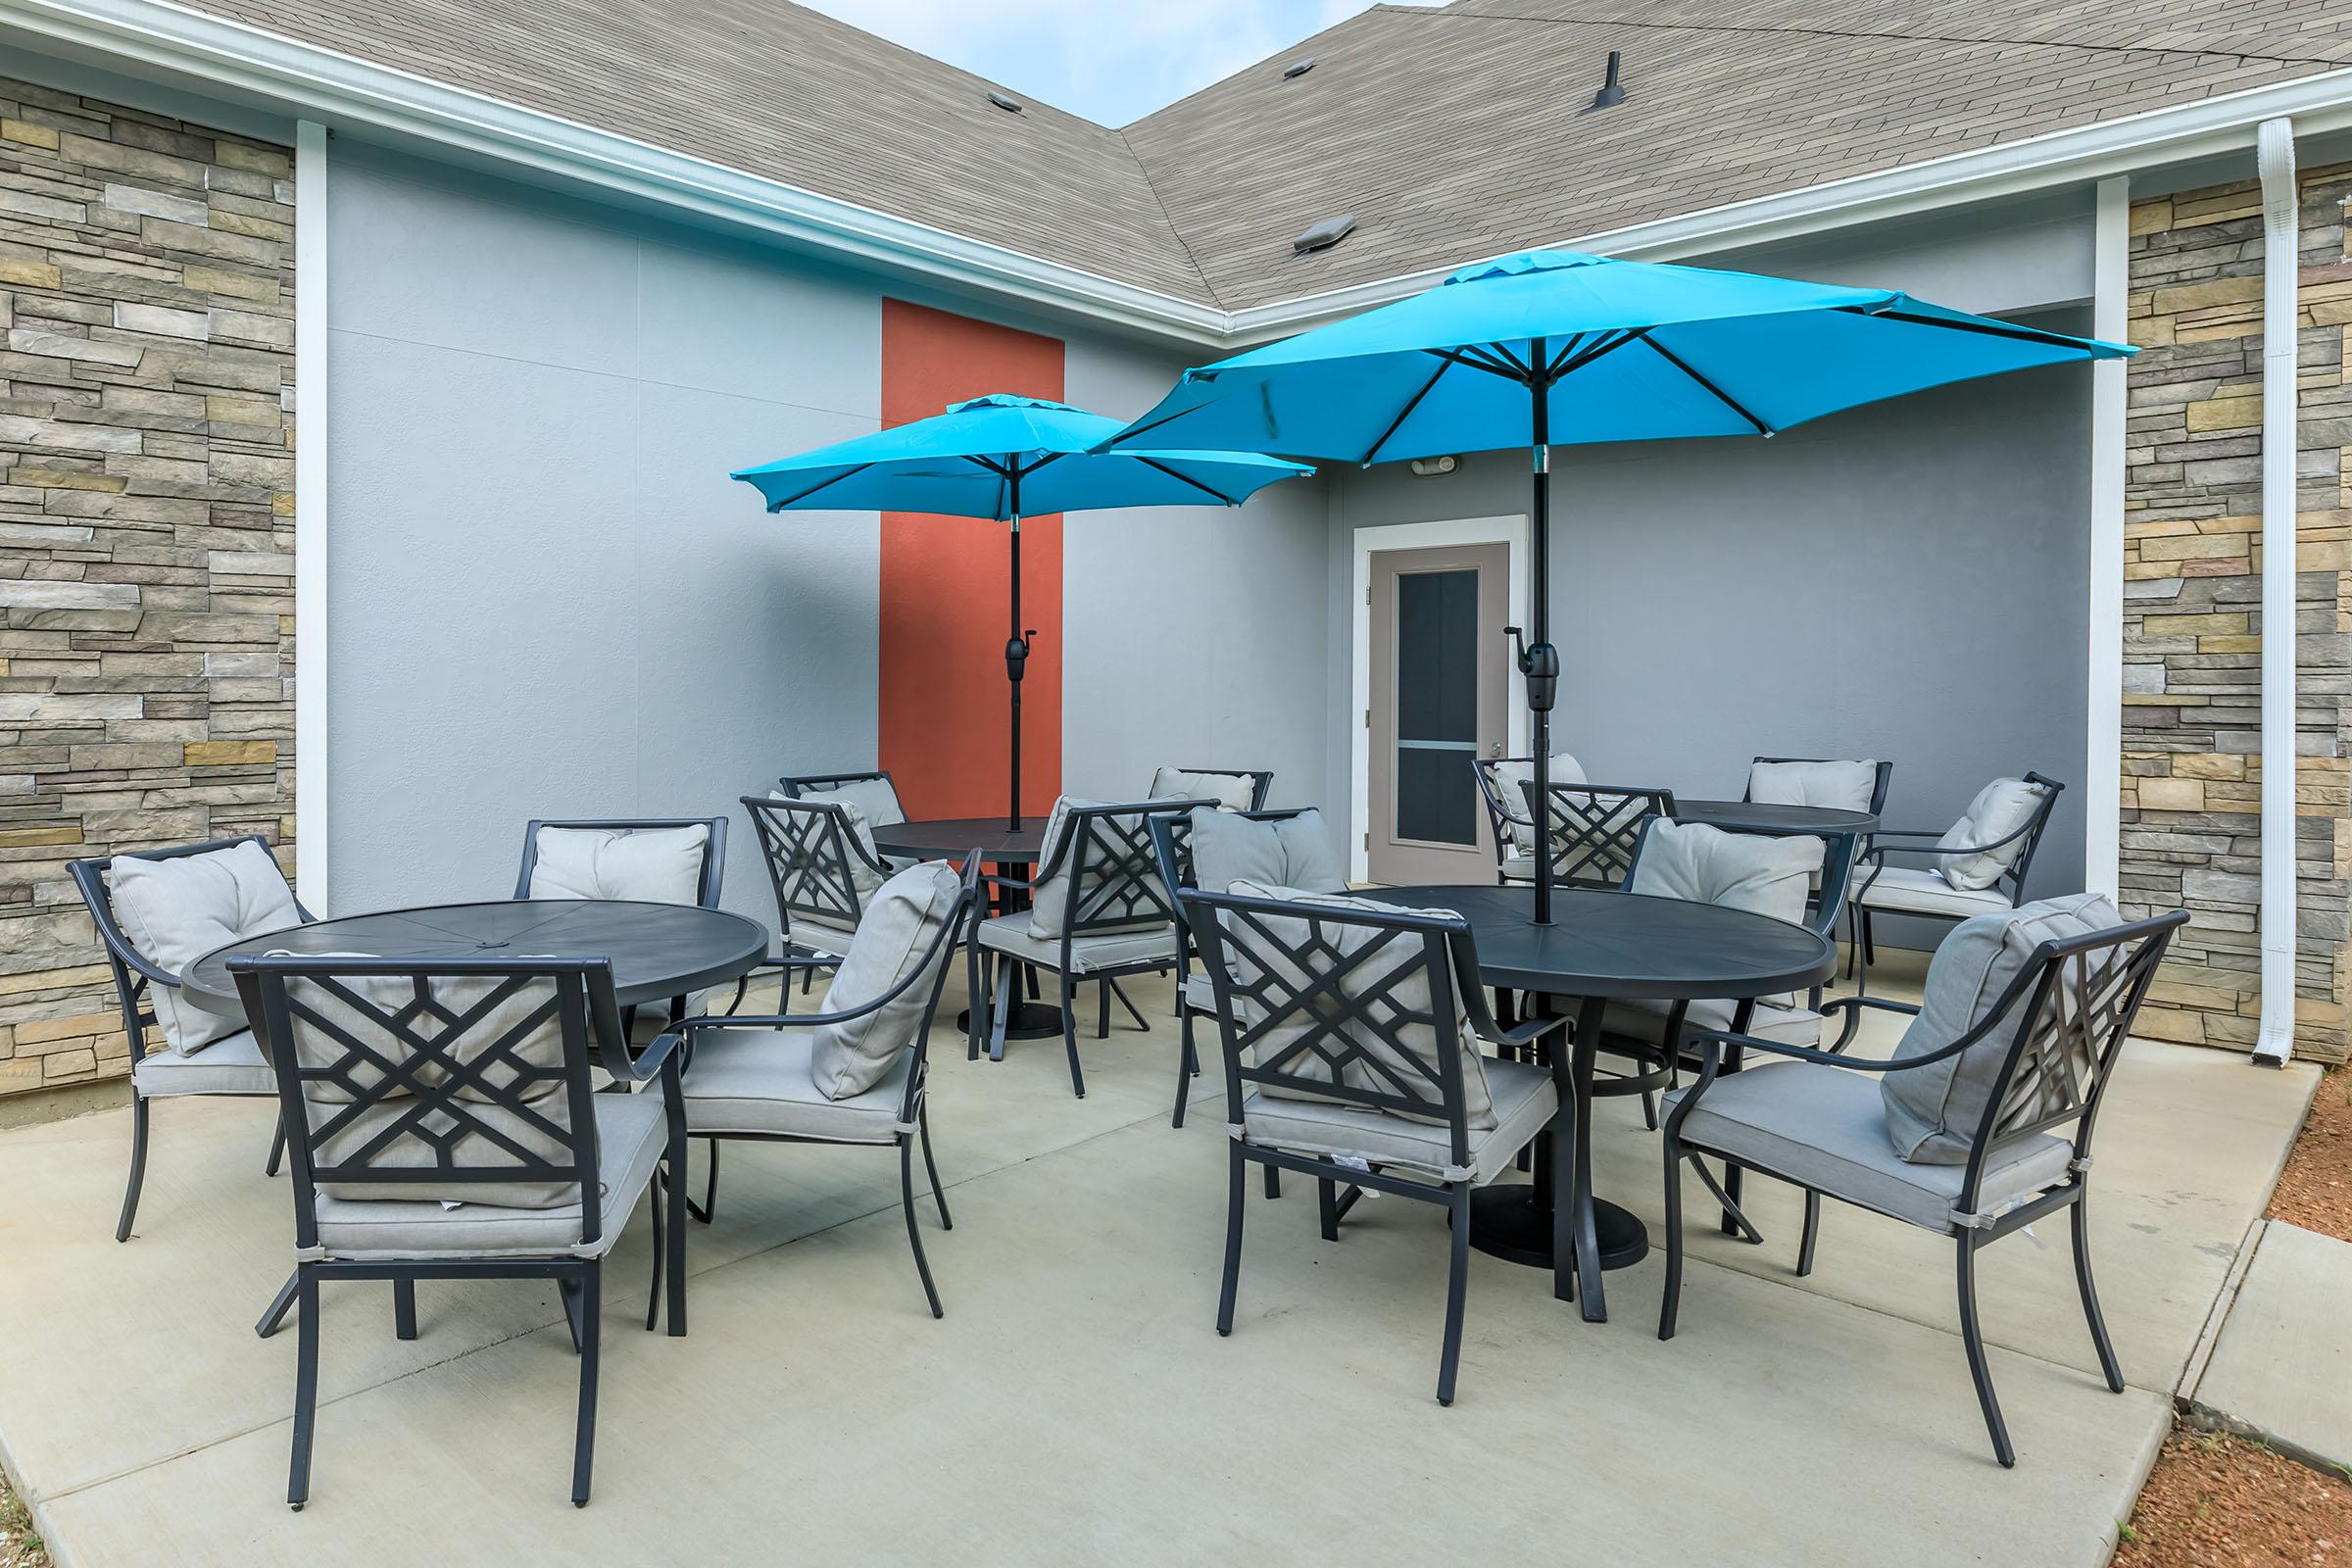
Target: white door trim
{"x": 1509, "y": 531}
{"x": 310, "y": 518}
{"x": 2103, "y": 767}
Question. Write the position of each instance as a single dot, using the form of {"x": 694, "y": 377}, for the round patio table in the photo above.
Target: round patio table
{"x": 949, "y": 838}
{"x": 658, "y": 951}
{"x": 1604, "y": 946}
{"x": 1763, "y": 817}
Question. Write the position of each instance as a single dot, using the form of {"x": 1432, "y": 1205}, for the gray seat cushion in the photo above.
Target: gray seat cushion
{"x": 1200, "y": 992}
{"x": 762, "y": 1081}
{"x": 1518, "y": 869}
{"x": 1293, "y": 852}
{"x": 231, "y": 1065}
{"x": 1822, "y": 1127}
{"x": 1829, "y": 786}
{"x": 632, "y": 1135}
{"x": 1905, "y": 889}
{"x": 644, "y": 865}
{"x": 900, "y": 943}
{"x": 821, "y": 937}
{"x": 1103, "y": 950}
{"x": 176, "y": 911}
{"x": 1524, "y": 1104}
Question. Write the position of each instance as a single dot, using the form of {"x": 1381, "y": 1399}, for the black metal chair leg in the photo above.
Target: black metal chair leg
{"x": 1734, "y": 1180}
{"x": 1125, "y": 1001}
{"x": 1103, "y": 1012}
{"x": 1327, "y": 1207}
{"x": 404, "y": 1310}
{"x": 1233, "y": 1236}
{"x": 1650, "y": 1110}
{"x": 1187, "y": 1063}
{"x": 276, "y": 1314}
{"x": 2091, "y": 1301}
{"x": 914, "y": 1234}
{"x": 568, "y": 1294}
{"x": 138, "y": 1165}
{"x": 1979, "y": 1370}
{"x": 977, "y": 1009}
{"x": 673, "y": 1271}
{"x": 1670, "y": 1304}
{"x": 656, "y": 1202}
{"x": 583, "y": 1454}
{"x": 939, "y": 1194}
{"x": 1070, "y": 1036}
{"x": 306, "y": 1386}
{"x": 278, "y": 1147}
{"x": 710, "y": 1204}
{"x": 1458, "y": 1285}
{"x": 1008, "y": 977}
{"x": 1804, "y": 1247}
{"x": 1273, "y": 1182}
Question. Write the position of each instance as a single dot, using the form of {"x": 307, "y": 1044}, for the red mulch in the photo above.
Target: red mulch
{"x": 2223, "y": 1501}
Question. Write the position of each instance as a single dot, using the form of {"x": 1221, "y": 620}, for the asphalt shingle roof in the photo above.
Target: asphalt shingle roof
{"x": 1449, "y": 134}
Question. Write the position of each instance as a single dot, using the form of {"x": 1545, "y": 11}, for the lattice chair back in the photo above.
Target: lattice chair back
{"x": 1113, "y": 876}
{"x": 1340, "y": 1001}
{"x": 821, "y": 870}
{"x": 1592, "y": 832}
{"x": 450, "y": 1080}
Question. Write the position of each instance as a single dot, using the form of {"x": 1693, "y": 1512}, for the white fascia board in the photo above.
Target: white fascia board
{"x": 311, "y": 82}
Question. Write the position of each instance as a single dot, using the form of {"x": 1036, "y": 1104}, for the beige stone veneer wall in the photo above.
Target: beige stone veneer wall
{"x": 146, "y": 528}
{"x": 2193, "y": 624}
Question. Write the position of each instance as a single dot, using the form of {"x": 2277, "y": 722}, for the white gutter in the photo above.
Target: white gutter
{"x": 2103, "y": 724}
{"x": 311, "y": 274}
{"x": 2281, "y": 263}
{"x": 306, "y": 82}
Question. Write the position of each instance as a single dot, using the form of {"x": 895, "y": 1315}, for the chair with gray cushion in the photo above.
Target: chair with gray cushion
{"x": 1098, "y": 910}
{"x": 1289, "y": 848}
{"x": 631, "y": 859}
{"x": 1591, "y": 830}
{"x": 1349, "y": 1033}
{"x": 157, "y": 912}
{"x": 1976, "y": 866}
{"x": 875, "y": 794}
{"x": 442, "y": 1124}
{"x": 1229, "y": 789}
{"x": 853, "y": 1072}
{"x": 823, "y": 869}
{"x": 1978, "y": 1125}
{"x": 1818, "y": 781}
{"x": 1503, "y": 787}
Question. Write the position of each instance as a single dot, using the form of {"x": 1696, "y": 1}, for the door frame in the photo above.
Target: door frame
{"x": 1510, "y": 531}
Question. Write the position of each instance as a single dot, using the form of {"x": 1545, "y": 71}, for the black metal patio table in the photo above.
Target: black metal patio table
{"x": 1763, "y": 816}
{"x": 1000, "y": 845}
{"x": 1604, "y": 947}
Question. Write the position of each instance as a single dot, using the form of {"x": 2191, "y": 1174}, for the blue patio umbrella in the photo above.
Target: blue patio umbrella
{"x": 1003, "y": 458}
{"x": 1550, "y": 348}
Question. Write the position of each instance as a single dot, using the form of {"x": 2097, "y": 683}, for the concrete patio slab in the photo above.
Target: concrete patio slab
{"x": 2280, "y": 1368}
{"x": 1076, "y": 1401}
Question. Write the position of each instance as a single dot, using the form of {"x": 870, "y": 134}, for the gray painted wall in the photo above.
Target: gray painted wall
{"x": 546, "y": 596}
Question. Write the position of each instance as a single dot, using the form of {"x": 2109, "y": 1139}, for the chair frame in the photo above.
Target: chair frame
{"x": 1119, "y": 891}
{"x": 1501, "y": 817}
{"x": 1448, "y": 960}
{"x": 591, "y": 1034}
{"x": 1864, "y": 949}
{"x": 1172, "y": 850}
{"x": 1598, "y": 852}
{"x": 133, "y": 975}
{"x": 913, "y": 1106}
{"x": 1261, "y": 781}
{"x": 1879, "y": 785}
{"x": 2040, "y": 1033}
{"x": 803, "y": 786}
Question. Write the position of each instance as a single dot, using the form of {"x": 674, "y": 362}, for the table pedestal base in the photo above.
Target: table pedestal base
{"x": 1511, "y": 1223}
{"x": 1026, "y": 1020}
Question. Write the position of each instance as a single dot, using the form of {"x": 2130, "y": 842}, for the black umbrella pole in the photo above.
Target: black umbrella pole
{"x": 1541, "y": 662}
{"x": 1016, "y": 659}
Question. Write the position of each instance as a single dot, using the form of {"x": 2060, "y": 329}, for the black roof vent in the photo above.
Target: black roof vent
{"x": 1298, "y": 68}
{"x": 1006, "y": 102}
{"x": 1324, "y": 235}
{"x": 1611, "y": 94}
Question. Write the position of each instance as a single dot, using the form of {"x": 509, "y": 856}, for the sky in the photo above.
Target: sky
{"x": 1111, "y": 61}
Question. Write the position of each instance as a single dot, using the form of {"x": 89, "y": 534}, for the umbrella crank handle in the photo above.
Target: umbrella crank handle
{"x": 1016, "y": 654}
{"x": 1539, "y": 663}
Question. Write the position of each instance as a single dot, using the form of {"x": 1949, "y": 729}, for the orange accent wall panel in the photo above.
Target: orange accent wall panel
{"x": 946, "y": 590}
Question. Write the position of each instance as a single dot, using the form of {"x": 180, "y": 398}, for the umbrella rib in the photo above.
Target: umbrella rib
{"x": 1479, "y": 358}
{"x": 2022, "y": 334}
{"x": 1446, "y": 362}
{"x": 794, "y": 501}
{"x": 1719, "y": 394}
{"x": 1567, "y": 366}
{"x": 1209, "y": 490}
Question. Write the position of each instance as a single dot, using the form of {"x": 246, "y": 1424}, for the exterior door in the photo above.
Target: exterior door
{"x": 1441, "y": 693}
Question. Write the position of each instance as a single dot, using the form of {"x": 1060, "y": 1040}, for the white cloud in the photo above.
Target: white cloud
{"x": 1112, "y": 62}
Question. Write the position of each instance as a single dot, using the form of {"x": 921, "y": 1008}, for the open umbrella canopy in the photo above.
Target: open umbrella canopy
{"x": 1633, "y": 351}
{"x": 1005, "y": 456}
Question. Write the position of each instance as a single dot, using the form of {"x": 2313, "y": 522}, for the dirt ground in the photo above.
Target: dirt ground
{"x": 19, "y": 1547}
{"x": 2215, "y": 1499}
{"x": 2315, "y": 1191}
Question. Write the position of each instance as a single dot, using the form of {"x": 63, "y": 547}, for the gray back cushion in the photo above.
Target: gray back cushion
{"x": 2000, "y": 809}
{"x": 1829, "y": 786}
{"x": 1704, "y": 865}
{"x": 1049, "y": 899}
{"x": 1934, "y": 1112}
{"x": 176, "y": 911}
{"x": 876, "y": 798}
{"x": 818, "y": 883}
{"x": 1293, "y": 852}
{"x": 902, "y": 922}
{"x": 1230, "y": 791}
{"x": 643, "y": 865}
{"x": 1508, "y": 779}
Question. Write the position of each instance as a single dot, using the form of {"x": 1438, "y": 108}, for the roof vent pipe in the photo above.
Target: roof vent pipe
{"x": 1298, "y": 68}
{"x": 1324, "y": 235}
{"x": 1005, "y": 101}
{"x": 1611, "y": 94}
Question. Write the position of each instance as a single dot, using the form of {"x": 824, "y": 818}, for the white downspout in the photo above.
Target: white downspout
{"x": 2110, "y": 321}
{"x": 2275, "y": 157}
{"x": 310, "y": 518}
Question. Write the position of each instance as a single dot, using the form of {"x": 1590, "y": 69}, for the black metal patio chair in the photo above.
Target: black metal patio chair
{"x": 1502, "y": 789}
{"x": 2001, "y": 856}
{"x": 1803, "y": 781}
{"x": 822, "y": 868}
{"x": 1591, "y": 830}
{"x": 1223, "y": 785}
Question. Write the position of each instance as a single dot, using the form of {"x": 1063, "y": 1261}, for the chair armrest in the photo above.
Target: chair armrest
{"x": 996, "y": 879}
{"x": 1852, "y": 1008}
{"x": 1525, "y": 1034}
{"x": 643, "y": 1066}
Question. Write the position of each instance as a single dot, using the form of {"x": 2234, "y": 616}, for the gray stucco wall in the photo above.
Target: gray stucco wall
{"x": 546, "y": 596}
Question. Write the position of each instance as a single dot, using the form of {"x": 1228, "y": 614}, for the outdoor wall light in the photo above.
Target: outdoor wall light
{"x": 1431, "y": 467}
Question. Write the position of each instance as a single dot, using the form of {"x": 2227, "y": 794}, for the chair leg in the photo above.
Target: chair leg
{"x": 1733, "y": 1221}
{"x": 1804, "y": 1247}
{"x": 1979, "y": 1370}
{"x": 1125, "y": 1001}
{"x": 939, "y": 1195}
{"x": 1327, "y": 1207}
{"x": 583, "y": 1452}
{"x": 1273, "y": 1182}
{"x": 1863, "y": 947}
{"x": 306, "y": 1386}
{"x": 278, "y": 1306}
{"x": 914, "y": 1234}
{"x": 278, "y": 1147}
{"x": 672, "y": 1174}
{"x": 1457, "y": 1286}
{"x": 1670, "y": 1304}
{"x": 1008, "y": 977}
{"x": 1186, "y": 1063}
{"x": 568, "y": 1295}
{"x": 1650, "y": 1110}
{"x": 657, "y": 1200}
{"x": 1103, "y": 1012}
{"x": 404, "y": 1310}
{"x": 977, "y": 1009}
{"x": 2091, "y": 1299}
{"x": 710, "y": 1186}
{"x": 138, "y": 1165}
{"x": 1070, "y": 1036}
{"x": 1854, "y": 937}
{"x": 1233, "y": 1235}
